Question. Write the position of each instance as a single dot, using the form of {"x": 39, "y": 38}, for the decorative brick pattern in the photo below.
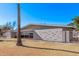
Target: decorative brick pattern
{"x": 51, "y": 34}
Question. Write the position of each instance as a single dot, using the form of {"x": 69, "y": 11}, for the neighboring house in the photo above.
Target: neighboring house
{"x": 76, "y": 34}
{"x": 9, "y": 34}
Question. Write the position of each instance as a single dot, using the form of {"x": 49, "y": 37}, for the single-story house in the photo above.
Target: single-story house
{"x": 46, "y": 32}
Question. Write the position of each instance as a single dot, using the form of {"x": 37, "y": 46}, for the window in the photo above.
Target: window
{"x": 26, "y": 36}
{"x": 22, "y": 36}
{"x": 31, "y": 35}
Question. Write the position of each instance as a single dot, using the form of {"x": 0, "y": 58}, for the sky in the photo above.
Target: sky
{"x": 39, "y": 13}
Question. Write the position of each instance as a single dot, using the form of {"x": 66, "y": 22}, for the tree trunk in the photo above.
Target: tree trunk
{"x": 19, "y": 42}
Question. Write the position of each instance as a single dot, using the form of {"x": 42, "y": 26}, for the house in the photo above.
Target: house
{"x": 48, "y": 32}
{"x": 44, "y": 32}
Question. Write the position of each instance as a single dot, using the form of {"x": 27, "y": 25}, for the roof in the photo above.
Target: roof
{"x": 45, "y": 25}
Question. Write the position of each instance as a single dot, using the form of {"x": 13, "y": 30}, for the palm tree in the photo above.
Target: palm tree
{"x": 76, "y": 22}
{"x": 19, "y": 42}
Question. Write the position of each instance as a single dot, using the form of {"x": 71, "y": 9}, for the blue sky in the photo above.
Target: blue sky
{"x": 40, "y": 13}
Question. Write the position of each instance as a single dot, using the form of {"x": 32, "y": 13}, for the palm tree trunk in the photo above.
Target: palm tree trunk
{"x": 19, "y": 42}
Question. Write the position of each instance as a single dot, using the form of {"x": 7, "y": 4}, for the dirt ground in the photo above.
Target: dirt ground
{"x": 37, "y": 48}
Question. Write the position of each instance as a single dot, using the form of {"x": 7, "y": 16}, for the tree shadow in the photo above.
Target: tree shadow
{"x": 51, "y": 49}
